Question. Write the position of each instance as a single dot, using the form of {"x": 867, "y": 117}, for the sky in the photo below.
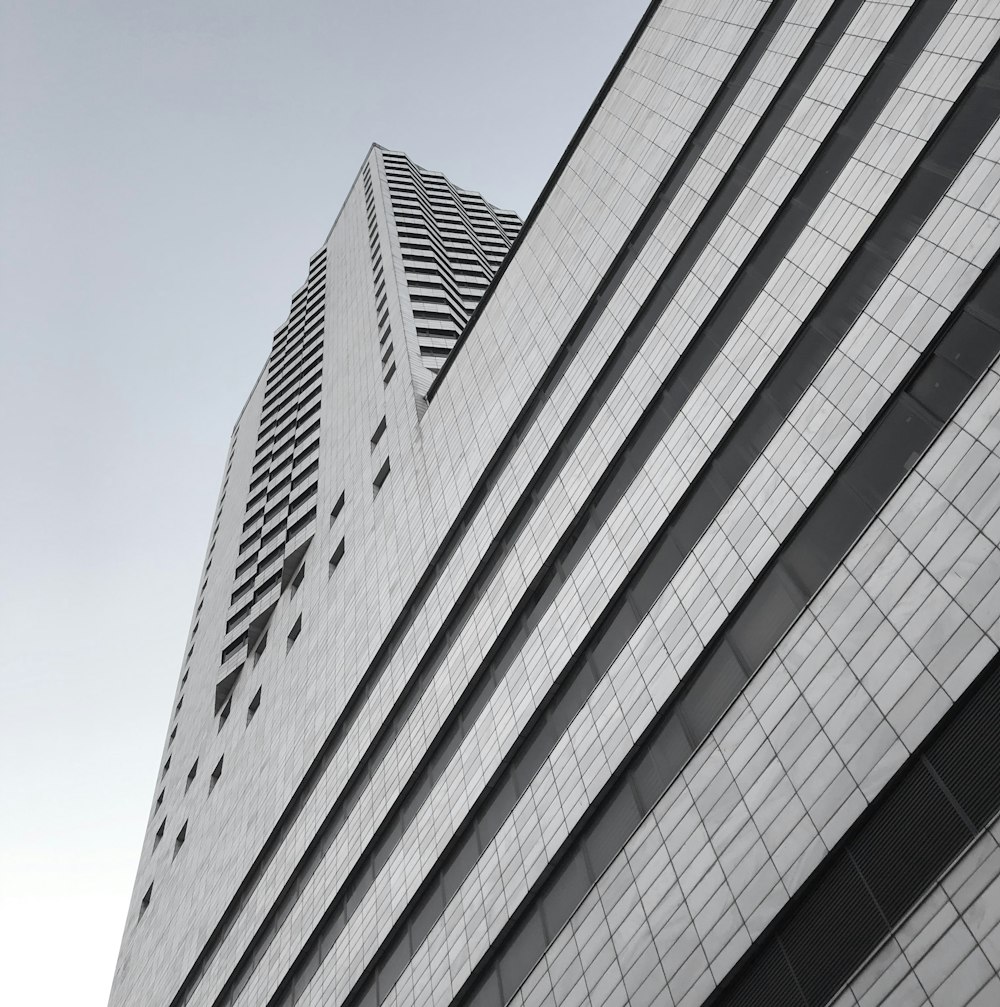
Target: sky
{"x": 166, "y": 170}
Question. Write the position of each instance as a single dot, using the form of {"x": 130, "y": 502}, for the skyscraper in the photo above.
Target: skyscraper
{"x": 607, "y": 610}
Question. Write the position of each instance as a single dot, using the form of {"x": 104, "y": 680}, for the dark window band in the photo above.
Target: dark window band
{"x": 941, "y": 800}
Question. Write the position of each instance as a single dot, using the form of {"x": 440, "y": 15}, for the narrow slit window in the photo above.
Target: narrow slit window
{"x": 144, "y": 904}
{"x": 260, "y": 648}
{"x": 381, "y": 476}
{"x": 254, "y": 706}
{"x": 379, "y": 430}
{"x": 173, "y": 734}
{"x": 166, "y": 766}
{"x": 159, "y": 800}
{"x": 337, "y": 508}
{"x": 181, "y": 836}
{"x": 338, "y": 555}
{"x": 389, "y": 373}
{"x": 293, "y": 634}
{"x": 158, "y": 835}
{"x": 226, "y": 710}
{"x": 216, "y": 775}
{"x": 298, "y": 578}
{"x": 191, "y": 775}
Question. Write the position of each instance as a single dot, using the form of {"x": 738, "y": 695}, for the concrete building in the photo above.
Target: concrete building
{"x": 607, "y": 609}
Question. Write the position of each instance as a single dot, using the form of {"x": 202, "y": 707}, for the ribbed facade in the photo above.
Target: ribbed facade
{"x": 630, "y": 634}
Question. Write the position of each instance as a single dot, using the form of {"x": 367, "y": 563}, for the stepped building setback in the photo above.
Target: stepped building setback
{"x": 605, "y": 609}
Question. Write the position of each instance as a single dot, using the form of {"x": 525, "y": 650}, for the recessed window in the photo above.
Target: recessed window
{"x": 298, "y": 578}
{"x": 173, "y": 734}
{"x": 337, "y": 508}
{"x": 158, "y": 835}
{"x": 192, "y": 773}
{"x": 389, "y": 373}
{"x": 166, "y": 766}
{"x": 180, "y": 703}
{"x": 379, "y": 430}
{"x": 338, "y": 555}
{"x": 226, "y": 710}
{"x": 216, "y": 775}
{"x": 293, "y": 635}
{"x": 254, "y": 706}
{"x": 260, "y": 648}
{"x": 144, "y": 904}
{"x": 159, "y": 800}
{"x": 381, "y": 476}
{"x": 181, "y": 836}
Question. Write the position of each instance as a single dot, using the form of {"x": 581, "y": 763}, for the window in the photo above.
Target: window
{"x": 381, "y": 476}
{"x": 158, "y": 835}
{"x": 337, "y": 508}
{"x": 294, "y": 633}
{"x": 181, "y": 836}
{"x": 379, "y": 430}
{"x": 144, "y": 904}
{"x": 389, "y": 373}
{"x": 259, "y": 649}
{"x": 254, "y": 705}
{"x": 216, "y": 775}
{"x": 173, "y": 734}
{"x": 298, "y": 578}
{"x": 226, "y": 710}
{"x": 338, "y": 555}
{"x": 192, "y": 773}
{"x": 159, "y": 801}
{"x": 166, "y": 766}
{"x": 180, "y": 703}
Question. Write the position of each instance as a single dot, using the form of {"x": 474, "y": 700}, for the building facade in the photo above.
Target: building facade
{"x": 607, "y": 609}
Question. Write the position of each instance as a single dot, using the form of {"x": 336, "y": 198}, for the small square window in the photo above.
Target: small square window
{"x": 216, "y": 775}
{"x": 254, "y": 706}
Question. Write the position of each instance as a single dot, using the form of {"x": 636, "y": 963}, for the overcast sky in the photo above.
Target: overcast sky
{"x": 166, "y": 170}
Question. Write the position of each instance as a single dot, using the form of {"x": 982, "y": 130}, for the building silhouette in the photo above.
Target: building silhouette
{"x": 607, "y": 609}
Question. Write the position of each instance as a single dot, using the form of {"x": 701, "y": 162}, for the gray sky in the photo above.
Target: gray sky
{"x": 166, "y": 169}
